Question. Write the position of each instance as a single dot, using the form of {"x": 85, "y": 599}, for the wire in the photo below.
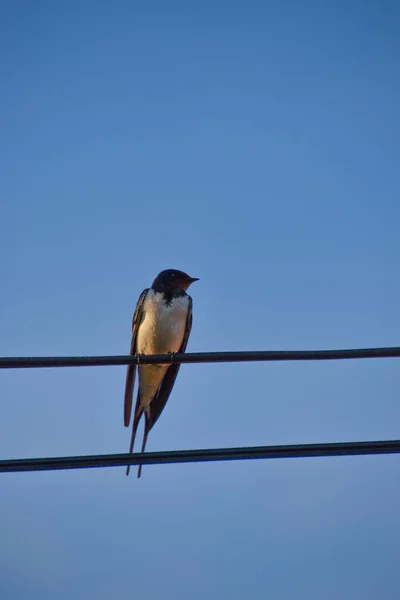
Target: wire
{"x": 210, "y": 455}
{"x": 191, "y": 456}
{"x": 197, "y": 357}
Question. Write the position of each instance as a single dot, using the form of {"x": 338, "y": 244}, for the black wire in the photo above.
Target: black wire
{"x": 210, "y": 455}
{"x": 191, "y": 456}
{"x": 197, "y": 357}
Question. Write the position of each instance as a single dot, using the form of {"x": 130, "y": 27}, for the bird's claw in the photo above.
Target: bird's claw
{"x": 138, "y": 355}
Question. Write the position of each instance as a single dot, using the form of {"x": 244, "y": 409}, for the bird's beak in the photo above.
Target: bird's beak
{"x": 193, "y": 279}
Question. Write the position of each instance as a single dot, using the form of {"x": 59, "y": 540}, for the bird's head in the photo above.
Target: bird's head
{"x": 174, "y": 278}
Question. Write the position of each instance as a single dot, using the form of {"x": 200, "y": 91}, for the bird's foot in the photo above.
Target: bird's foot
{"x": 138, "y": 355}
{"x": 171, "y": 354}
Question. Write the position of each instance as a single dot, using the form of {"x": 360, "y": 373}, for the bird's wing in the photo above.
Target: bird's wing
{"x": 160, "y": 400}
{"x": 131, "y": 370}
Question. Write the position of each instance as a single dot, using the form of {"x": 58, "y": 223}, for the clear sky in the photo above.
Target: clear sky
{"x": 254, "y": 145}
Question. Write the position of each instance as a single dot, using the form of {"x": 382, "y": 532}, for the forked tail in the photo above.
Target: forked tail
{"x": 146, "y": 433}
{"x": 134, "y": 430}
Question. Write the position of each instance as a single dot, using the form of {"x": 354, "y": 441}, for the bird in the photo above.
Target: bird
{"x": 161, "y": 324}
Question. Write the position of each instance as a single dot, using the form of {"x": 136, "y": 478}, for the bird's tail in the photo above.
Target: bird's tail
{"x": 135, "y": 425}
{"x": 146, "y": 433}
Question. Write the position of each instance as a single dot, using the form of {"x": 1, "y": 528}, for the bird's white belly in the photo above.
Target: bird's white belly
{"x": 163, "y": 326}
{"x": 161, "y": 331}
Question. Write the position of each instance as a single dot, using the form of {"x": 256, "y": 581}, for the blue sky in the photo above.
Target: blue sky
{"x": 255, "y": 146}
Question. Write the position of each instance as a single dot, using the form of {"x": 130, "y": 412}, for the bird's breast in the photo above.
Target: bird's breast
{"x": 163, "y": 325}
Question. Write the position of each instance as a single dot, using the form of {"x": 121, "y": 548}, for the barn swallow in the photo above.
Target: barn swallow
{"x": 161, "y": 324}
